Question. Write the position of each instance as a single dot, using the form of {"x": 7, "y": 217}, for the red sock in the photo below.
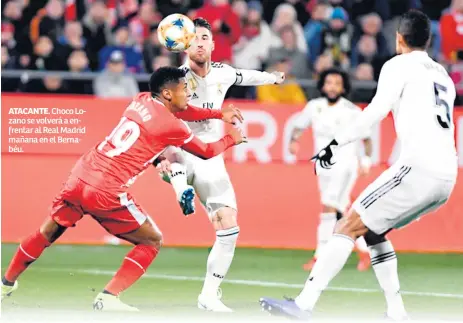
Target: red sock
{"x": 29, "y": 250}
{"x": 133, "y": 267}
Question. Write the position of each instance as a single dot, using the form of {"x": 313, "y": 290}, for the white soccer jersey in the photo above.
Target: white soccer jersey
{"x": 421, "y": 95}
{"x": 326, "y": 120}
{"x": 209, "y": 92}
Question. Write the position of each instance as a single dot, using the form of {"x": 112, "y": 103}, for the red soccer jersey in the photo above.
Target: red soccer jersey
{"x": 144, "y": 132}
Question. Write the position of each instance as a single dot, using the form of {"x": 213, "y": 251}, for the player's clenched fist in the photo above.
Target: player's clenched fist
{"x": 280, "y": 77}
{"x": 238, "y": 136}
{"x": 231, "y": 114}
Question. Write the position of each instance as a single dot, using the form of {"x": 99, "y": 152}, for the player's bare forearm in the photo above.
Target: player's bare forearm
{"x": 208, "y": 150}
{"x": 193, "y": 113}
{"x": 368, "y": 145}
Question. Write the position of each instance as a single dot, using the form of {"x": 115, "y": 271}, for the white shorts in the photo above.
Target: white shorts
{"x": 400, "y": 195}
{"x": 210, "y": 180}
{"x": 336, "y": 184}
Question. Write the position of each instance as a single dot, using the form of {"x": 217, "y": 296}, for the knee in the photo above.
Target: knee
{"x": 372, "y": 238}
{"x": 351, "y": 225}
{"x": 51, "y": 230}
{"x": 153, "y": 240}
{"x": 225, "y": 218}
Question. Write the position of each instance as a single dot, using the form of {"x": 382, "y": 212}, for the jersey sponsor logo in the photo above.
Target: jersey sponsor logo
{"x": 194, "y": 96}
{"x": 208, "y": 105}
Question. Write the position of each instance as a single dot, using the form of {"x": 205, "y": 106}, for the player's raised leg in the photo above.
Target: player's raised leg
{"x": 28, "y": 252}
{"x": 177, "y": 176}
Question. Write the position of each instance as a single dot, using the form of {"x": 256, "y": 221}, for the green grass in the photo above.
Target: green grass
{"x": 58, "y": 281}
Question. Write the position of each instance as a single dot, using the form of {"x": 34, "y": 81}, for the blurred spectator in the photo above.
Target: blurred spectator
{"x": 72, "y": 39}
{"x": 285, "y": 15}
{"x": 45, "y": 56}
{"x": 371, "y": 25}
{"x": 290, "y": 60}
{"x": 289, "y": 92}
{"x": 251, "y": 51}
{"x": 288, "y": 52}
{"x": 113, "y": 82}
{"x": 152, "y": 49}
{"x": 141, "y": 22}
{"x": 97, "y": 30}
{"x": 168, "y": 7}
{"x": 225, "y": 28}
{"x": 48, "y": 21}
{"x": 397, "y": 8}
{"x": 300, "y": 6}
{"x": 8, "y": 38}
{"x": 7, "y": 61}
{"x": 363, "y": 7}
{"x": 366, "y": 51}
{"x": 336, "y": 38}
{"x": 363, "y": 72}
{"x": 122, "y": 41}
{"x": 452, "y": 32}
{"x": 51, "y": 84}
{"x": 323, "y": 62}
{"x": 78, "y": 62}
{"x": 11, "y": 15}
{"x": 8, "y": 84}
{"x": 240, "y": 7}
{"x": 313, "y": 29}
{"x": 434, "y": 11}
{"x": 161, "y": 61}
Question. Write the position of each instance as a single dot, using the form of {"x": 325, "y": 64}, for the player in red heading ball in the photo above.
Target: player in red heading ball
{"x": 99, "y": 181}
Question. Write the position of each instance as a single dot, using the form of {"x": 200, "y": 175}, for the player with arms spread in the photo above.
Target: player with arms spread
{"x": 209, "y": 82}
{"x": 420, "y": 95}
{"x": 325, "y": 115}
{"x": 99, "y": 181}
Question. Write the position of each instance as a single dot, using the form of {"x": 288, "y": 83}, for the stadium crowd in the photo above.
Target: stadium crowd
{"x": 299, "y": 37}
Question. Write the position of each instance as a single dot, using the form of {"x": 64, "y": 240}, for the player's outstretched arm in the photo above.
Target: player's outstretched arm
{"x": 390, "y": 87}
{"x": 208, "y": 150}
{"x": 253, "y": 77}
{"x": 227, "y": 114}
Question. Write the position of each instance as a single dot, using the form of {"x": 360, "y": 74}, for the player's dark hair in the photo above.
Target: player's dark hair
{"x": 415, "y": 28}
{"x": 336, "y": 71}
{"x": 201, "y": 22}
{"x": 164, "y": 76}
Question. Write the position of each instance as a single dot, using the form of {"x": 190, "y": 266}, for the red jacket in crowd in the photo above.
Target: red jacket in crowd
{"x": 451, "y": 26}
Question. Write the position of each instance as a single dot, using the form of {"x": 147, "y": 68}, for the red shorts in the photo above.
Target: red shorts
{"x": 118, "y": 214}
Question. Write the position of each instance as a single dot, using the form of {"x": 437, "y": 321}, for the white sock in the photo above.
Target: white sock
{"x": 178, "y": 178}
{"x": 361, "y": 244}
{"x": 325, "y": 230}
{"x": 220, "y": 259}
{"x": 384, "y": 262}
{"x": 328, "y": 265}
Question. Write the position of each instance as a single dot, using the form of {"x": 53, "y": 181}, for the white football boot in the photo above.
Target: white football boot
{"x": 7, "y": 290}
{"x": 212, "y": 303}
{"x": 111, "y": 303}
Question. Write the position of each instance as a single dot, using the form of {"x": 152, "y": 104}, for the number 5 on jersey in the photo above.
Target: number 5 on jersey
{"x": 121, "y": 138}
{"x": 445, "y": 121}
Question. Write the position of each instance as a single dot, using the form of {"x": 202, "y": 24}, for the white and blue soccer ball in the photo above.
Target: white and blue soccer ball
{"x": 176, "y": 32}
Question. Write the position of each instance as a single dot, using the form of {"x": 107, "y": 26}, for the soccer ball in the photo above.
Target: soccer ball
{"x": 176, "y": 32}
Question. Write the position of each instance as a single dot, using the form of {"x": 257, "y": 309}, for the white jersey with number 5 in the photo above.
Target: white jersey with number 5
{"x": 420, "y": 94}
